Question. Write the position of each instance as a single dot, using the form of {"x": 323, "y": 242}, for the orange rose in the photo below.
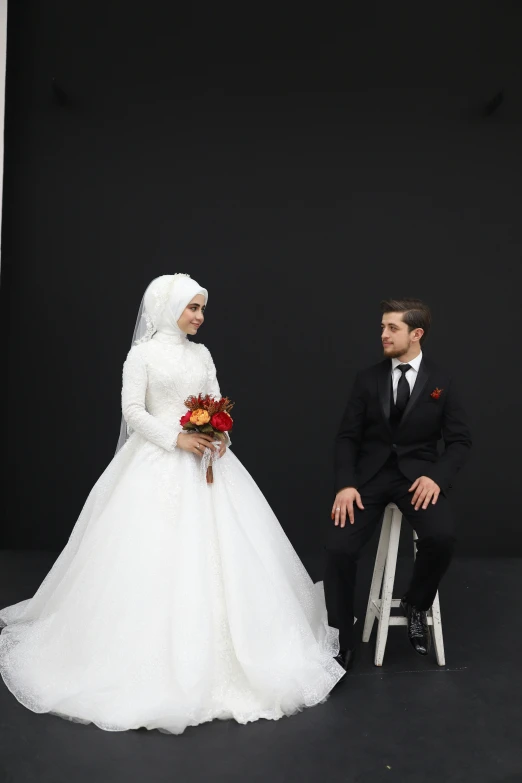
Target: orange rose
{"x": 200, "y": 417}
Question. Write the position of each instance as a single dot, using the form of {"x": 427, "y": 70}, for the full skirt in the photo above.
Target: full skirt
{"x": 174, "y": 602}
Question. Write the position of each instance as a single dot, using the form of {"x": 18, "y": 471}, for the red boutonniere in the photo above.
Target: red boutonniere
{"x": 436, "y": 393}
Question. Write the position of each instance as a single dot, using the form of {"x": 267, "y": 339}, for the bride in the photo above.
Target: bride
{"x": 174, "y": 601}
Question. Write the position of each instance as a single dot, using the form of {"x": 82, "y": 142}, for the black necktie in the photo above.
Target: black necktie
{"x": 403, "y": 388}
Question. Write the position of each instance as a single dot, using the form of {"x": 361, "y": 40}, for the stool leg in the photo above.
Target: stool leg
{"x": 378, "y": 571}
{"x": 387, "y": 586}
{"x": 438, "y": 641}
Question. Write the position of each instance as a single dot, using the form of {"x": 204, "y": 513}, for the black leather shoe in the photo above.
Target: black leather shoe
{"x": 418, "y": 628}
{"x": 345, "y": 659}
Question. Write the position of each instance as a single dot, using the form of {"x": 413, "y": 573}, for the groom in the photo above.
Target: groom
{"x": 387, "y": 451}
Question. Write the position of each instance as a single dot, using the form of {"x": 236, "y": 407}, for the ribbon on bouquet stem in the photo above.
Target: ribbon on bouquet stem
{"x": 209, "y": 456}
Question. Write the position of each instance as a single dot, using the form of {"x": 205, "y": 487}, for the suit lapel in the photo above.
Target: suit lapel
{"x": 420, "y": 383}
{"x": 385, "y": 389}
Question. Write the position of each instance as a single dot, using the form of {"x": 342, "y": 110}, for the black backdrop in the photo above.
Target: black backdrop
{"x": 302, "y": 168}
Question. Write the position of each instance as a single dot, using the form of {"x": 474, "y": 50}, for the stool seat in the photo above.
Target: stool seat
{"x": 381, "y": 601}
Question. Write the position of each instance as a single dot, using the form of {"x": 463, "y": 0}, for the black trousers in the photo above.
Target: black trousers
{"x": 436, "y": 539}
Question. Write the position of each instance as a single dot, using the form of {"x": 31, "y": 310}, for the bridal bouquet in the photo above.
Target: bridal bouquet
{"x": 208, "y": 415}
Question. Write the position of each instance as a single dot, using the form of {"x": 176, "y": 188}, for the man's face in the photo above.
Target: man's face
{"x": 397, "y": 340}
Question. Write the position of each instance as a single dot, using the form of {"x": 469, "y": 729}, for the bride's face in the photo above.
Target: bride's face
{"x": 193, "y": 315}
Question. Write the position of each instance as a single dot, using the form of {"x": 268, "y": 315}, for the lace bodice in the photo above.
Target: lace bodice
{"x": 158, "y": 376}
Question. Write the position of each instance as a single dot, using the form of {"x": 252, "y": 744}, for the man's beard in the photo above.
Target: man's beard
{"x": 394, "y": 353}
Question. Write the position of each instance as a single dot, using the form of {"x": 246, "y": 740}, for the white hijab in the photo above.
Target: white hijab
{"x": 163, "y": 304}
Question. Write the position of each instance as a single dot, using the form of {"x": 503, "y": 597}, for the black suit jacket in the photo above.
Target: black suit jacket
{"x": 367, "y": 436}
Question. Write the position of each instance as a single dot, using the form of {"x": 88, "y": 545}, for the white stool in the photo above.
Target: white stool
{"x": 381, "y": 601}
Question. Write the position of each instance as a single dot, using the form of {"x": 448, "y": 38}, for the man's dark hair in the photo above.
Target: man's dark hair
{"x": 415, "y": 313}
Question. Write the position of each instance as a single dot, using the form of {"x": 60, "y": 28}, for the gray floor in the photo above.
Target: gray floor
{"x": 409, "y": 721}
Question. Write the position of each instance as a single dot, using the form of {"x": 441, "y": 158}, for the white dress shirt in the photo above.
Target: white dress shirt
{"x": 411, "y": 375}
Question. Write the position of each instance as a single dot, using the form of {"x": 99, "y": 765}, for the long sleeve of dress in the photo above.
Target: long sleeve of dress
{"x": 133, "y": 405}
{"x": 212, "y": 381}
{"x": 213, "y": 385}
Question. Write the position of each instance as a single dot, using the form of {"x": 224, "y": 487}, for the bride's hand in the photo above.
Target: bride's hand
{"x": 195, "y": 443}
{"x": 222, "y": 447}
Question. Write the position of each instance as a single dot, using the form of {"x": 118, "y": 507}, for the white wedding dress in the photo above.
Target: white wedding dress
{"x": 174, "y": 602}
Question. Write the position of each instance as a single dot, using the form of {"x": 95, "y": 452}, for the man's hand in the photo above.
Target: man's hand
{"x": 426, "y": 491}
{"x": 343, "y": 505}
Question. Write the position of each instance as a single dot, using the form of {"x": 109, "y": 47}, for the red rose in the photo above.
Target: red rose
{"x": 186, "y": 418}
{"x": 222, "y": 422}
